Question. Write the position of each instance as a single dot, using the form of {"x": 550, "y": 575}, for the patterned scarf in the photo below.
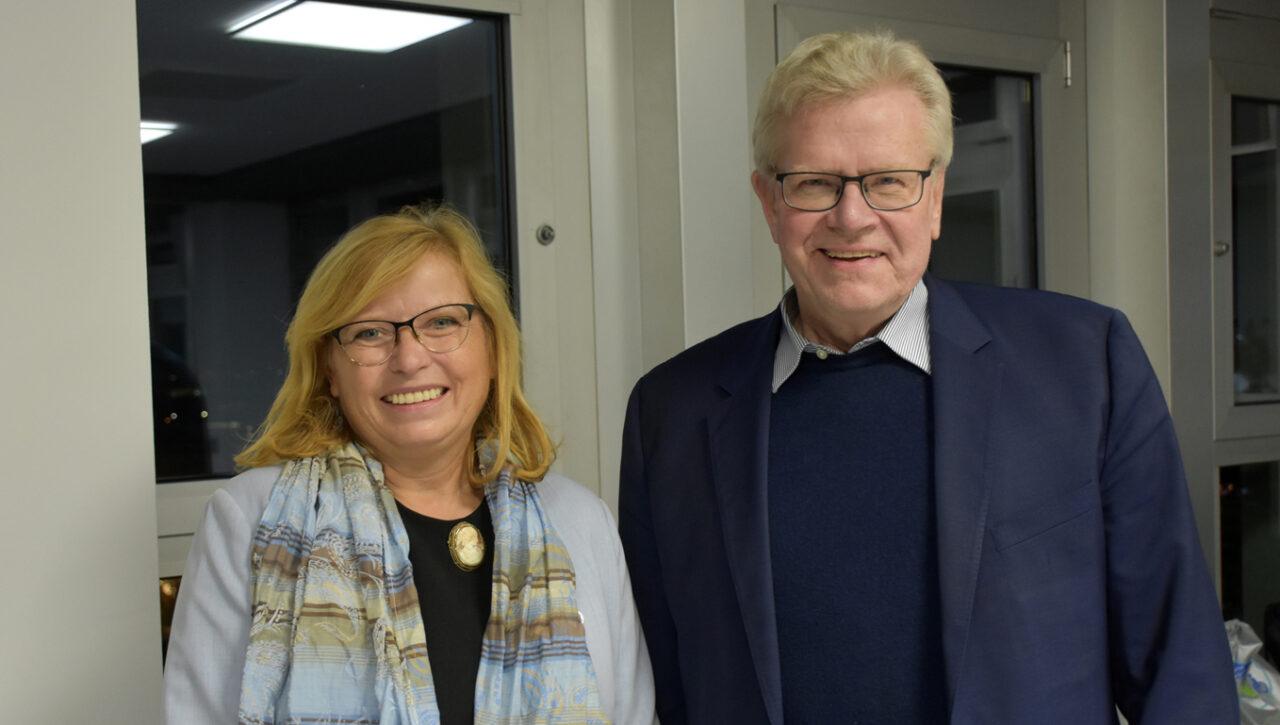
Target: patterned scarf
{"x": 337, "y": 636}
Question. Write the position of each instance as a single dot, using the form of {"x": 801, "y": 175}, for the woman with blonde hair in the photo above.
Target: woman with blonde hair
{"x": 398, "y": 550}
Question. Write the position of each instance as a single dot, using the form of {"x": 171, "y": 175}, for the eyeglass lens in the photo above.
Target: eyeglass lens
{"x": 440, "y": 329}
{"x": 886, "y": 191}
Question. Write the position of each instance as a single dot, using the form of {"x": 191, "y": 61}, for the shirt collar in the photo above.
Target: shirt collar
{"x": 906, "y": 334}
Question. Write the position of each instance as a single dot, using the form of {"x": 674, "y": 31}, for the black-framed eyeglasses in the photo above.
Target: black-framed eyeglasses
{"x": 883, "y": 190}
{"x": 369, "y": 343}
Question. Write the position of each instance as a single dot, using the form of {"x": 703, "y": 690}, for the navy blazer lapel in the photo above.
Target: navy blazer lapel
{"x": 738, "y": 436}
{"x": 966, "y": 375}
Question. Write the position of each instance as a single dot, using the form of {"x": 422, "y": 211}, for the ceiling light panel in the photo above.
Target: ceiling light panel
{"x": 152, "y": 130}
{"x": 348, "y": 27}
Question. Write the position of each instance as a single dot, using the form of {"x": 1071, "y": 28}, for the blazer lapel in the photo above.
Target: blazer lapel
{"x": 966, "y": 375}
{"x": 965, "y": 385}
{"x": 738, "y": 437}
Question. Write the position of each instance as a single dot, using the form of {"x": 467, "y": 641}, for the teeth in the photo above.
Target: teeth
{"x": 850, "y": 255}
{"x": 417, "y": 397}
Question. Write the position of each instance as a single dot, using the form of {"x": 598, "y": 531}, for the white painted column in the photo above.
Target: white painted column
{"x": 671, "y": 203}
{"x": 1128, "y": 203}
{"x": 81, "y": 606}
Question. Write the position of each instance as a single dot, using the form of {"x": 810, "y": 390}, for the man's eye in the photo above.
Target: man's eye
{"x": 817, "y": 182}
{"x": 887, "y": 180}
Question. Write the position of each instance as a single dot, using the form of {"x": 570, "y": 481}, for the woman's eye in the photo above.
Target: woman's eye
{"x": 438, "y": 324}
{"x": 367, "y": 334}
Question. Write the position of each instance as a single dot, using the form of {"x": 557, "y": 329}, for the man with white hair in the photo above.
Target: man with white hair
{"x": 896, "y": 499}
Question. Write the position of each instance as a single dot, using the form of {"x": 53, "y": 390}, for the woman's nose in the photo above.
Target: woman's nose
{"x": 409, "y": 352}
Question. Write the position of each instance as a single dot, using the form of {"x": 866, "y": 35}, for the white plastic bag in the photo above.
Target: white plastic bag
{"x": 1256, "y": 680}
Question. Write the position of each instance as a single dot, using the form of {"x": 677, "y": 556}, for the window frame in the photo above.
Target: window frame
{"x": 545, "y": 54}
{"x": 1230, "y": 79}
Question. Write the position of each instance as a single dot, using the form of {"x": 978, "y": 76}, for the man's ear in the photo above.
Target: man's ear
{"x": 939, "y": 178}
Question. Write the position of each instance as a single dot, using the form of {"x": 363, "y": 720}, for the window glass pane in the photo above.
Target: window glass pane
{"x": 1255, "y": 193}
{"x": 1250, "y": 508}
{"x": 277, "y": 150}
{"x": 989, "y": 218}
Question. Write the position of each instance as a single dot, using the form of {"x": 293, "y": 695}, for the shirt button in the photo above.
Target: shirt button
{"x": 822, "y": 354}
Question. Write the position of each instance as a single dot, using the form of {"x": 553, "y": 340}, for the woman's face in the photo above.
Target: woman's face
{"x": 419, "y": 406}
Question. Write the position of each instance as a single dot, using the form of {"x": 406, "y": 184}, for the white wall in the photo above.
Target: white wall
{"x": 671, "y": 202}
{"x": 1127, "y": 189}
{"x": 80, "y": 610}
{"x": 1188, "y": 154}
{"x": 611, "y": 108}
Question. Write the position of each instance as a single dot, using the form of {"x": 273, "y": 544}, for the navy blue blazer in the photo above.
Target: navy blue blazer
{"x": 1072, "y": 579}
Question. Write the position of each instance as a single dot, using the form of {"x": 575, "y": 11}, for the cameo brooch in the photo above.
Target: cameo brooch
{"x": 466, "y": 546}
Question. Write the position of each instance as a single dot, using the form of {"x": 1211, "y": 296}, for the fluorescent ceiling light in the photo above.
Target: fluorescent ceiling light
{"x": 152, "y": 130}
{"x": 349, "y": 27}
{"x": 265, "y": 12}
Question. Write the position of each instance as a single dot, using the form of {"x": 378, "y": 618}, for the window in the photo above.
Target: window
{"x": 276, "y": 151}
{"x": 1246, "y": 227}
{"x": 1250, "y": 497}
{"x": 989, "y": 221}
{"x": 1255, "y": 199}
{"x": 1246, "y": 305}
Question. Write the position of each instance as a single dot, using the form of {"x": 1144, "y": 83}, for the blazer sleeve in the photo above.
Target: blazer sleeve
{"x": 211, "y": 620}
{"x": 1169, "y": 653}
{"x": 636, "y": 531}
{"x": 632, "y": 685}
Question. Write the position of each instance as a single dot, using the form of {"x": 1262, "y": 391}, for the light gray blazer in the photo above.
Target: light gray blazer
{"x": 211, "y": 622}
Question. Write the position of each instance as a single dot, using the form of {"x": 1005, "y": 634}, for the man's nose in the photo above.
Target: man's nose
{"x": 852, "y": 209}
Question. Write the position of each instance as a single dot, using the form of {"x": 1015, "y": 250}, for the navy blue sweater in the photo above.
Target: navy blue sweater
{"x": 853, "y": 542}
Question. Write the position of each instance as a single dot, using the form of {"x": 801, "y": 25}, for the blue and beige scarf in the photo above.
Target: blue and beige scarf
{"x": 337, "y": 636}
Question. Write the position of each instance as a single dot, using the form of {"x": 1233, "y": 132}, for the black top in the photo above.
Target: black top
{"x": 455, "y": 608}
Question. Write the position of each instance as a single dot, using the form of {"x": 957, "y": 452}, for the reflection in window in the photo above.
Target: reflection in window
{"x": 1255, "y": 186}
{"x": 1250, "y": 505}
{"x": 989, "y": 218}
{"x": 278, "y": 150}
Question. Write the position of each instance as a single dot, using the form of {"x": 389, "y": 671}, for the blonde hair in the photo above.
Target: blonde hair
{"x": 305, "y": 420}
{"x": 835, "y": 66}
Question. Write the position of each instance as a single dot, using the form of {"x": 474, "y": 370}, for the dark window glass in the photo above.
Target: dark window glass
{"x": 989, "y": 231}
{"x": 278, "y": 150}
{"x": 1250, "y": 511}
{"x": 1255, "y": 193}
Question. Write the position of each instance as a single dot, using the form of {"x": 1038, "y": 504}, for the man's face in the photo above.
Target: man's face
{"x": 853, "y": 266}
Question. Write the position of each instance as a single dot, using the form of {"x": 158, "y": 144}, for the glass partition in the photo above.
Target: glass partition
{"x": 989, "y": 208}
{"x": 275, "y": 150}
{"x": 1250, "y": 509}
{"x": 1255, "y": 194}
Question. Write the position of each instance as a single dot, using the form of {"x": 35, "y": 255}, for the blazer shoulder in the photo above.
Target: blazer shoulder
{"x": 1017, "y": 300}
{"x": 248, "y": 491}
{"x": 750, "y": 339}
{"x": 569, "y": 500}
{"x": 1026, "y": 315}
